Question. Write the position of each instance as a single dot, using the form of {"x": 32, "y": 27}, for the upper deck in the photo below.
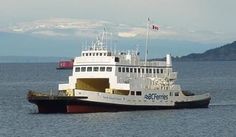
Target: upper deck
{"x": 108, "y": 58}
{"x": 99, "y": 65}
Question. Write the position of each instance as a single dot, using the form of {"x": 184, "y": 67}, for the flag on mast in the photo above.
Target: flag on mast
{"x": 153, "y": 26}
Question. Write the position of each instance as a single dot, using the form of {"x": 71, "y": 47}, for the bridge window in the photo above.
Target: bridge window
{"x": 89, "y": 69}
{"x": 109, "y": 69}
{"x": 105, "y": 54}
{"x": 154, "y": 71}
{"x": 117, "y": 59}
{"x": 135, "y": 70}
{"x": 93, "y": 54}
{"x": 90, "y": 54}
{"x": 161, "y": 70}
{"x": 142, "y": 70}
{"x": 150, "y": 70}
{"x": 138, "y": 93}
{"x": 123, "y": 69}
{"x": 102, "y": 69}
{"x": 157, "y": 70}
{"x": 127, "y": 69}
{"x": 132, "y": 93}
{"x": 138, "y": 70}
{"x": 146, "y": 70}
{"x": 131, "y": 70}
{"x": 96, "y": 54}
{"x": 86, "y": 54}
{"x": 77, "y": 69}
{"x": 100, "y": 54}
{"x": 83, "y": 69}
{"x": 95, "y": 69}
{"x": 119, "y": 69}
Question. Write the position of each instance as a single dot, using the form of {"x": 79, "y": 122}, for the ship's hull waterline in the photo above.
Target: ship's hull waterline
{"x": 62, "y": 104}
{"x": 105, "y": 80}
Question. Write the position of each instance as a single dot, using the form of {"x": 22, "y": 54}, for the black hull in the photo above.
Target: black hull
{"x": 193, "y": 104}
{"x": 76, "y": 105}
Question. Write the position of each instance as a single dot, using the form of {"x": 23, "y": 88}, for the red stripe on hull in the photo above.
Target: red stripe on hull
{"x": 85, "y": 109}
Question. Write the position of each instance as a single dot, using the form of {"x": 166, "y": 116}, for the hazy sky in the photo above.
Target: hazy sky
{"x": 205, "y": 14}
{"x": 204, "y": 21}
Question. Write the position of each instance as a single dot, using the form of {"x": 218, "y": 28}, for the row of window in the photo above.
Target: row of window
{"x": 94, "y": 69}
{"x": 138, "y": 93}
{"x": 176, "y": 94}
{"x": 97, "y": 54}
{"x": 139, "y": 70}
{"x": 120, "y": 69}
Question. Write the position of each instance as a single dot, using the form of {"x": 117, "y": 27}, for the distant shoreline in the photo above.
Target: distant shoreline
{"x": 31, "y": 59}
{"x": 224, "y": 53}
{"x": 56, "y": 62}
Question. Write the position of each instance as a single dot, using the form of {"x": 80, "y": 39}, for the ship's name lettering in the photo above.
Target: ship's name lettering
{"x": 155, "y": 96}
{"x": 111, "y": 98}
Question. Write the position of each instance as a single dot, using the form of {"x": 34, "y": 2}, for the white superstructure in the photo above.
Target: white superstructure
{"x": 123, "y": 78}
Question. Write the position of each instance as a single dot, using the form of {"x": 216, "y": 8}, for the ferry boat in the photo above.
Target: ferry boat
{"x": 108, "y": 81}
{"x": 65, "y": 64}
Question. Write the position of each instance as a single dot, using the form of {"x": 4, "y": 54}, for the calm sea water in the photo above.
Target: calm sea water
{"x": 19, "y": 118}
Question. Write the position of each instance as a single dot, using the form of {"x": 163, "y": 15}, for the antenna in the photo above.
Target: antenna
{"x": 82, "y": 47}
{"x": 105, "y": 33}
{"x": 111, "y": 42}
{"x": 137, "y": 49}
{"x": 147, "y": 40}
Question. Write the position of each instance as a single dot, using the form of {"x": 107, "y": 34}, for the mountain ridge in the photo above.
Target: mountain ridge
{"x": 224, "y": 53}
